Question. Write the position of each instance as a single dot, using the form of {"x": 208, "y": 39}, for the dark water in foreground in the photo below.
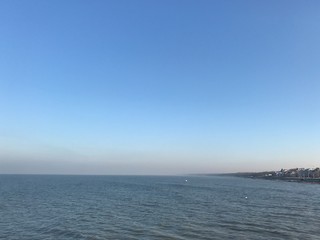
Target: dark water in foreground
{"x": 118, "y": 207}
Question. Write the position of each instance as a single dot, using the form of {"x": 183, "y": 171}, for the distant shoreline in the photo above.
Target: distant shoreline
{"x": 270, "y": 176}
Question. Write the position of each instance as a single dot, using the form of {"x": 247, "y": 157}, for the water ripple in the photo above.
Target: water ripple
{"x": 94, "y": 208}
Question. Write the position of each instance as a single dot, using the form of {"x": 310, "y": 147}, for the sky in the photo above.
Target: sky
{"x": 159, "y": 87}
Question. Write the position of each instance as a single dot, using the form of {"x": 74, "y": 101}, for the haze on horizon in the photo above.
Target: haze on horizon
{"x": 159, "y": 87}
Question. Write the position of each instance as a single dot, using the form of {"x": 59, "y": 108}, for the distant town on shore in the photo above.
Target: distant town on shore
{"x": 294, "y": 174}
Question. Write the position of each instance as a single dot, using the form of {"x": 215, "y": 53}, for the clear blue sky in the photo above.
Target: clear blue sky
{"x": 159, "y": 87}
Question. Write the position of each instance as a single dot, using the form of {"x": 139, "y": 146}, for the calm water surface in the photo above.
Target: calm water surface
{"x": 131, "y": 207}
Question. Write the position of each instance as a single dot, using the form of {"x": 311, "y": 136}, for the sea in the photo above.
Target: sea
{"x": 156, "y": 207}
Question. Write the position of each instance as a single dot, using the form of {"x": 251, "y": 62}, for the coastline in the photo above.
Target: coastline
{"x": 272, "y": 176}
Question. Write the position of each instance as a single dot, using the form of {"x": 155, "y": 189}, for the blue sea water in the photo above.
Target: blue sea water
{"x": 148, "y": 207}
